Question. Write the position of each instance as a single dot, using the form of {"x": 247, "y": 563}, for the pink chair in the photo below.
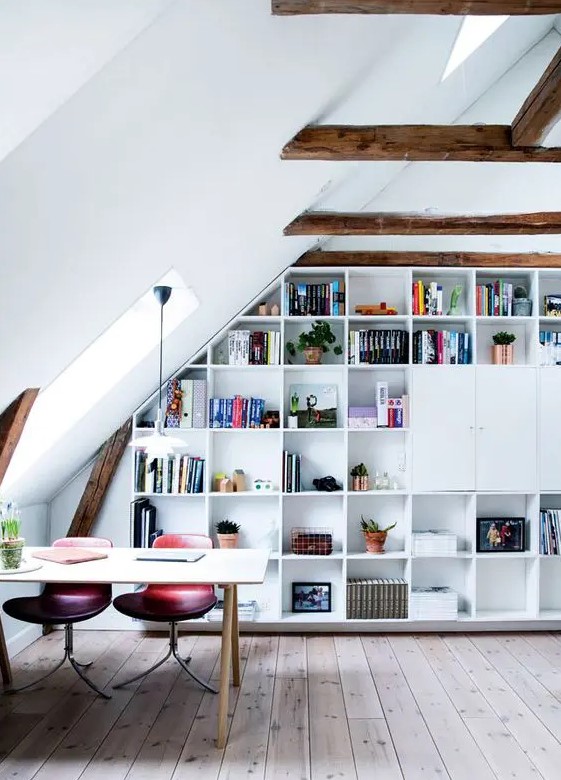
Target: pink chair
{"x": 66, "y": 603}
{"x": 170, "y": 604}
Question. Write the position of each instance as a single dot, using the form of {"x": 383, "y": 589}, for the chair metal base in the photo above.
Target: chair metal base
{"x": 183, "y": 662}
{"x": 76, "y": 665}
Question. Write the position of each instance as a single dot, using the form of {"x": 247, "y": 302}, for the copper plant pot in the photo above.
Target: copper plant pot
{"x": 313, "y": 355}
{"x": 375, "y": 541}
{"x": 360, "y": 483}
{"x": 502, "y": 354}
{"x": 227, "y": 541}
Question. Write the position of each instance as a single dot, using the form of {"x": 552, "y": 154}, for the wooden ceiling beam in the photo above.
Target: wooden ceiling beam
{"x": 542, "y": 108}
{"x": 12, "y": 423}
{"x": 340, "y": 259}
{"x": 389, "y": 224}
{"x": 413, "y": 143}
{"x": 435, "y": 7}
{"x": 97, "y": 486}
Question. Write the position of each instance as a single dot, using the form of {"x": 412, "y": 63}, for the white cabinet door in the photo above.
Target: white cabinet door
{"x": 443, "y": 420}
{"x": 550, "y": 429}
{"x": 506, "y": 428}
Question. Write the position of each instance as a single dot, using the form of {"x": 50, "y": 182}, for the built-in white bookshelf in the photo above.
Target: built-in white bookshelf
{"x": 483, "y": 441}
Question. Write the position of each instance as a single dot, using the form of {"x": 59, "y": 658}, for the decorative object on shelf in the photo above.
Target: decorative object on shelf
{"x": 293, "y": 416}
{"x": 501, "y": 534}
{"x": 521, "y": 305}
{"x": 384, "y": 482}
{"x": 315, "y": 405}
{"x": 217, "y": 479}
{"x": 263, "y": 311}
{"x": 226, "y": 486}
{"x": 311, "y": 597}
{"x": 374, "y": 536}
{"x": 159, "y": 444}
{"x": 552, "y": 305}
{"x": 263, "y": 485}
{"x": 375, "y": 309}
{"x": 238, "y": 480}
{"x": 326, "y": 484}
{"x": 502, "y": 350}
{"x": 275, "y": 310}
{"x": 359, "y": 473}
{"x": 314, "y": 343}
{"x": 453, "y": 310}
{"x": 311, "y": 541}
{"x": 12, "y": 544}
{"x": 270, "y": 419}
{"x": 227, "y": 533}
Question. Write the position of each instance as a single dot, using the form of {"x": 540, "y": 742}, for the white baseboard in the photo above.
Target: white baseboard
{"x": 23, "y": 639}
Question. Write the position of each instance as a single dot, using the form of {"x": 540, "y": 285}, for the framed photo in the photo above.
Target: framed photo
{"x": 501, "y": 534}
{"x": 311, "y": 597}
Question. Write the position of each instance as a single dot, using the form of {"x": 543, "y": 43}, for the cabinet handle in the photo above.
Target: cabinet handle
{"x": 472, "y": 427}
{"x": 480, "y": 428}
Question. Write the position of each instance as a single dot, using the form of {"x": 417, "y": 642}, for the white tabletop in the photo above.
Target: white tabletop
{"x": 233, "y": 567}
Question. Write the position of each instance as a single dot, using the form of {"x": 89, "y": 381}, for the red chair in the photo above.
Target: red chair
{"x": 64, "y": 603}
{"x": 170, "y": 604}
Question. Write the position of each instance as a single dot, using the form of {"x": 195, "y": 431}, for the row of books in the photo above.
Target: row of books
{"x": 257, "y": 348}
{"x": 550, "y": 348}
{"x": 236, "y": 412}
{"x": 494, "y": 300}
{"x": 291, "y": 467}
{"x": 377, "y": 599}
{"x": 427, "y": 299}
{"x": 186, "y": 403}
{"x": 143, "y": 516}
{"x": 174, "y": 474}
{"x": 315, "y": 300}
{"x": 434, "y": 603}
{"x": 373, "y": 347}
{"x": 550, "y": 531}
{"x": 397, "y": 415}
{"x": 447, "y": 347}
{"x": 434, "y": 543}
{"x": 246, "y": 611}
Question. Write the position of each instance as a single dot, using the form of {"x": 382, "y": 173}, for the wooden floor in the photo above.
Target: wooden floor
{"x": 371, "y": 707}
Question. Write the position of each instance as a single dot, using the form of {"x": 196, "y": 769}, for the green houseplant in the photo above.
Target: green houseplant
{"x": 374, "y": 536}
{"x": 359, "y": 474}
{"x": 314, "y": 343}
{"x": 502, "y": 349}
{"x": 11, "y": 545}
{"x": 227, "y": 533}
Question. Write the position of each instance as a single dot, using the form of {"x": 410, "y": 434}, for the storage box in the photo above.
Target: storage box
{"x": 312, "y": 541}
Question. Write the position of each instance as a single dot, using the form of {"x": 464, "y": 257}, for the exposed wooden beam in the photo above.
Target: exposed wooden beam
{"x": 96, "y": 488}
{"x": 329, "y": 223}
{"x": 414, "y": 143}
{"x": 542, "y": 108}
{"x": 318, "y": 258}
{"x": 12, "y": 423}
{"x": 436, "y": 7}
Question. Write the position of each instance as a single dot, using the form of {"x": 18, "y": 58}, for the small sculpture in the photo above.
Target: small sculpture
{"x": 454, "y": 297}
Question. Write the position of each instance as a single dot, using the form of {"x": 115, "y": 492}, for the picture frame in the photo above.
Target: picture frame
{"x": 311, "y": 597}
{"x": 501, "y": 534}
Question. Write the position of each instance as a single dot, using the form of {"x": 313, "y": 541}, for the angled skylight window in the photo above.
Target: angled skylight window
{"x": 96, "y": 371}
{"x": 473, "y": 33}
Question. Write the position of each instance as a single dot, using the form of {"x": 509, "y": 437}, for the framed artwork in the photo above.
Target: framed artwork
{"x": 501, "y": 534}
{"x": 314, "y": 406}
{"x": 311, "y": 597}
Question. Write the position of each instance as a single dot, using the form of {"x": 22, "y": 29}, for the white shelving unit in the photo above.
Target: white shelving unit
{"x": 483, "y": 441}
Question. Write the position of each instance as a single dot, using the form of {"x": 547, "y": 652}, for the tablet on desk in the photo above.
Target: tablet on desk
{"x": 173, "y": 557}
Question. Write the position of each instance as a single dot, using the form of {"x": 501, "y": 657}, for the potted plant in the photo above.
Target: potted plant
{"x": 227, "y": 533}
{"x": 293, "y": 416}
{"x": 11, "y": 545}
{"x": 502, "y": 349}
{"x": 521, "y": 304}
{"x": 374, "y": 536}
{"x": 360, "y": 477}
{"x": 314, "y": 343}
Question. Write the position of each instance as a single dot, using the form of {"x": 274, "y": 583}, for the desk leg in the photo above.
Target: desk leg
{"x": 5, "y": 666}
{"x": 235, "y": 638}
{"x": 225, "y": 658}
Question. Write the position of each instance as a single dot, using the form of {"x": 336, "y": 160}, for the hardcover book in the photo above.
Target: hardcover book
{"x": 316, "y": 405}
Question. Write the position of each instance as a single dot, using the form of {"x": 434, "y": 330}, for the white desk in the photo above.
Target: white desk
{"x": 229, "y": 568}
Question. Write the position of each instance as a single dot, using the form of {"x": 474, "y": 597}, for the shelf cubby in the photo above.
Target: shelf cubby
{"x": 380, "y": 454}
{"x": 506, "y": 587}
{"x": 314, "y": 570}
{"x": 454, "y": 513}
{"x": 390, "y": 285}
{"x": 385, "y": 510}
{"x": 448, "y": 278}
{"x": 457, "y": 573}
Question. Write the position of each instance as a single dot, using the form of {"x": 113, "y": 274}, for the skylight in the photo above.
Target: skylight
{"x": 473, "y": 33}
{"x": 97, "y": 370}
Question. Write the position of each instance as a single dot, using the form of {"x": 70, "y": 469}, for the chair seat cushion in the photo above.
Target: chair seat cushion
{"x": 50, "y": 609}
{"x": 167, "y": 603}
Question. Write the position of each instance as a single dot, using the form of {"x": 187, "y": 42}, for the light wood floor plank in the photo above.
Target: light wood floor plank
{"x": 291, "y": 662}
{"x": 373, "y": 750}
{"x": 537, "y": 664}
{"x": 508, "y": 760}
{"x": 288, "y": 755}
{"x": 548, "y": 645}
{"x": 533, "y": 737}
{"x": 359, "y": 691}
{"x": 418, "y": 756}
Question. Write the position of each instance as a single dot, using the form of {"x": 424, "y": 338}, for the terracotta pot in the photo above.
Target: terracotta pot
{"x": 227, "y": 541}
{"x": 375, "y": 541}
{"x": 360, "y": 483}
{"x": 313, "y": 355}
{"x": 11, "y": 552}
{"x": 502, "y": 354}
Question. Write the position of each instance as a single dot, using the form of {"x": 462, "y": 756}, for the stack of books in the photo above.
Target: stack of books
{"x": 186, "y": 403}
{"x": 315, "y": 300}
{"x": 260, "y": 348}
{"x": 494, "y": 300}
{"x": 171, "y": 474}
{"x": 246, "y": 611}
{"x": 377, "y": 599}
{"x": 434, "y": 603}
{"x": 550, "y": 348}
{"x": 378, "y": 347}
{"x": 427, "y": 543}
{"x": 427, "y": 299}
{"x": 550, "y": 532}
{"x": 447, "y": 347}
{"x": 236, "y": 412}
{"x": 291, "y": 465}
